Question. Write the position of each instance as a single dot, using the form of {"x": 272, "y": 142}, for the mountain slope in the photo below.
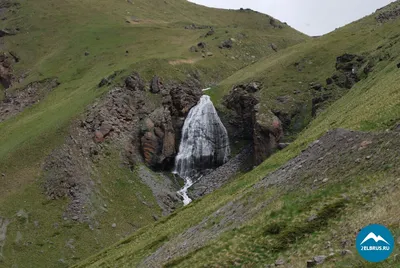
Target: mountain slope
{"x": 77, "y": 44}
{"x": 339, "y": 184}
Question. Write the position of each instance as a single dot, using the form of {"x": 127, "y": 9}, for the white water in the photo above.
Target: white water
{"x": 204, "y": 144}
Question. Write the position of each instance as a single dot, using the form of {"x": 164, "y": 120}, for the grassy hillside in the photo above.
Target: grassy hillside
{"x": 81, "y": 42}
{"x": 244, "y": 224}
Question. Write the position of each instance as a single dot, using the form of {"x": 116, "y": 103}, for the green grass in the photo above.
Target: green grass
{"x": 52, "y": 41}
{"x": 373, "y": 104}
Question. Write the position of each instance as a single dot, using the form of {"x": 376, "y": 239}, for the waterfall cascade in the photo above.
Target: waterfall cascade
{"x": 204, "y": 144}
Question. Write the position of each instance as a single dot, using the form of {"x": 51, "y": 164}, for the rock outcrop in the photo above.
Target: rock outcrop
{"x": 139, "y": 129}
{"x": 267, "y": 133}
{"x": 388, "y": 15}
{"x": 350, "y": 69}
{"x": 155, "y": 85}
{"x": 16, "y": 101}
{"x": 226, "y": 44}
{"x": 263, "y": 128}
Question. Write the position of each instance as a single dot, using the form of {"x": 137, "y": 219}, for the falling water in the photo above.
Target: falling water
{"x": 204, "y": 144}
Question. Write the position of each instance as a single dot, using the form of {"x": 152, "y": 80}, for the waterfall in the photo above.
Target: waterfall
{"x": 204, "y": 144}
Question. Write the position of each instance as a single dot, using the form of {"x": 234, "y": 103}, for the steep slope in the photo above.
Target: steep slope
{"x": 312, "y": 198}
{"x": 55, "y": 56}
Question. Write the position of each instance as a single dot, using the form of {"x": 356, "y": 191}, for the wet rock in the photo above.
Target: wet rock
{"x": 226, "y": 44}
{"x": 156, "y": 85}
{"x": 204, "y": 144}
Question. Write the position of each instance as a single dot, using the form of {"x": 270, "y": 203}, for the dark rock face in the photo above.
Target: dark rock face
{"x": 158, "y": 139}
{"x": 388, "y": 15}
{"x": 126, "y": 121}
{"x": 16, "y": 101}
{"x": 264, "y": 129}
{"x": 266, "y": 136}
{"x": 226, "y": 44}
{"x": 161, "y": 130}
{"x": 155, "y": 85}
{"x": 348, "y": 66}
{"x": 242, "y": 101}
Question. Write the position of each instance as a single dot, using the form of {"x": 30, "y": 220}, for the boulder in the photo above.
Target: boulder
{"x": 274, "y": 47}
{"x": 226, "y": 44}
{"x": 210, "y": 32}
{"x": 193, "y": 49}
{"x": 202, "y": 45}
{"x": 155, "y": 85}
{"x": 134, "y": 82}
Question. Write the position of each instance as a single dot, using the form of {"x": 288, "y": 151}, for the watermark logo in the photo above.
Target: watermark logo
{"x": 375, "y": 243}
